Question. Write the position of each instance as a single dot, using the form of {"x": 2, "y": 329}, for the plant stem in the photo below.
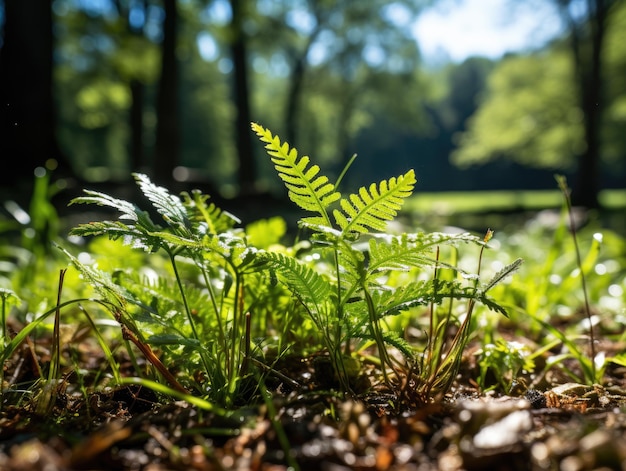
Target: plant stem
{"x": 192, "y": 323}
{"x": 152, "y": 358}
{"x": 562, "y": 182}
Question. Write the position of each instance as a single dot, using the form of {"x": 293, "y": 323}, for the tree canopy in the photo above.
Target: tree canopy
{"x": 170, "y": 88}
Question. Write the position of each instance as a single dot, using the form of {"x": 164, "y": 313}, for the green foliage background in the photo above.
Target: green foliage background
{"x": 394, "y": 110}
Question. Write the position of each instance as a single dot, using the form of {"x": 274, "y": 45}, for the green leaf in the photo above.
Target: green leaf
{"x": 309, "y": 286}
{"x": 373, "y": 208}
{"x": 173, "y": 339}
{"x": 167, "y": 205}
{"x": 200, "y": 211}
{"x": 412, "y": 294}
{"x": 502, "y": 274}
{"x": 307, "y": 189}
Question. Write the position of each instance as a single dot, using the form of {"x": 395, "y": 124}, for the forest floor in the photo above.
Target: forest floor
{"x": 552, "y": 425}
{"x": 547, "y": 422}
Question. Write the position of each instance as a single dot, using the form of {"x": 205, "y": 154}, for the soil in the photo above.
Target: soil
{"x": 553, "y": 424}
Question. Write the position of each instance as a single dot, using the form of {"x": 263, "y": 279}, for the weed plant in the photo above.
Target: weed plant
{"x": 350, "y": 297}
{"x": 219, "y": 308}
{"x": 213, "y": 306}
{"x": 204, "y": 316}
{"x": 573, "y": 284}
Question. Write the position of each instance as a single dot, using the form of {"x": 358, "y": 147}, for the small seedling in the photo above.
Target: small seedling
{"x": 348, "y": 298}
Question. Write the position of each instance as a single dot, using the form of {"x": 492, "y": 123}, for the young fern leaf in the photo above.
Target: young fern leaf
{"x": 492, "y": 305}
{"x": 135, "y": 235}
{"x": 417, "y": 293}
{"x": 307, "y": 189}
{"x": 502, "y": 274}
{"x": 391, "y": 338}
{"x": 129, "y": 211}
{"x": 167, "y": 205}
{"x": 396, "y": 254}
{"x": 367, "y": 210}
{"x": 200, "y": 211}
{"x": 100, "y": 281}
{"x": 311, "y": 288}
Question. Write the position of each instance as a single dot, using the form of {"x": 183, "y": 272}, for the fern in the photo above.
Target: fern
{"x": 101, "y": 282}
{"x": 200, "y": 211}
{"x": 348, "y": 295}
{"x": 390, "y": 338}
{"x": 372, "y": 209}
{"x": 170, "y": 207}
{"x": 311, "y": 288}
{"x": 418, "y": 293}
{"x": 502, "y": 274}
{"x": 306, "y": 188}
{"x": 199, "y": 238}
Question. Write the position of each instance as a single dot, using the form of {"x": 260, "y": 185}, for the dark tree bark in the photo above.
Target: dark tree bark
{"x": 247, "y": 173}
{"x": 27, "y": 110}
{"x": 294, "y": 92}
{"x": 137, "y": 92}
{"x": 166, "y": 156}
{"x": 292, "y": 108}
{"x": 587, "y": 41}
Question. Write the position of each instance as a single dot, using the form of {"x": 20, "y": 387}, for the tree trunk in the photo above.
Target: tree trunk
{"x": 27, "y": 111}
{"x": 136, "y": 125}
{"x": 137, "y": 93}
{"x": 294, "y": 93}
{"x": 587, "y": 43}
{"x": 167, "y": 130}
{"x": 247, "y": 173}
{"x": 292, "y": 109}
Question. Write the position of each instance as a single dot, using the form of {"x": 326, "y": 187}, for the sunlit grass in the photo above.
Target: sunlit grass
{"x": 613, "y": 199}
{"x": 445, "y": 203}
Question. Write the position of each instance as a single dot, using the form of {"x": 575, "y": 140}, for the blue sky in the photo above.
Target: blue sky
{"x": 452, "y": 29}
{"x": 456, "y": 29}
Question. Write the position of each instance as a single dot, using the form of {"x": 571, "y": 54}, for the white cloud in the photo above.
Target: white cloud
{"x": 488, "y": 28}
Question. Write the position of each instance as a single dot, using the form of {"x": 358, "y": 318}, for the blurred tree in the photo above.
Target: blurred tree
{"x": 107, "y": 64}
{"x": 613, "y": 140}
{"x": 341, "y": 65}
{"x": 466, "y": 83}
{"x": 446, "y": 98}
{"x": 343, "y": 38}
{"x": 207, "y": 109}
{"x": 547, "y": 109}
{"x": 28, "y": 116}
{"x": 587, "y": 38}
{"x": 166, "y": 152}
{"x": 135, "y": 16}
{"x": 529, "y": 115}
{"x": 247, "y": 172}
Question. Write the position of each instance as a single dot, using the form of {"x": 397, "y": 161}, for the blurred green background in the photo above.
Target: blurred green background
{"x": 97, "y": 89}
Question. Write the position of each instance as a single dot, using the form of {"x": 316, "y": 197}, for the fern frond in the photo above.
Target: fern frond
{"x": 307, "y": 189}
{"x": 373, "y": 208}
{"x": 397, "y": 253}
{"x": 351, "y": 265}
{"x": 424, "y": 239}
{"x": 169, "y": 206}
{"x": 390, "y": 338}
{"x": 129, "y": 211}
{"x": 491, "y": 304}
{"x": 100, "y": 281}
{"x": 418, "y": 293}
{"x": 201, "y": 211}
{"x": 135, "y": 236}
{"x": 412, "y": 250}
{"x": 502, "y": 274}
{"x": 309, "y": 286}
